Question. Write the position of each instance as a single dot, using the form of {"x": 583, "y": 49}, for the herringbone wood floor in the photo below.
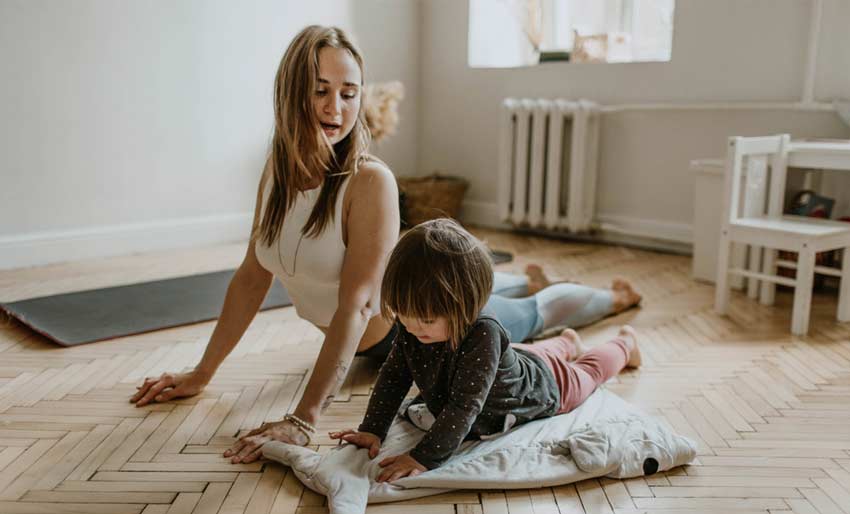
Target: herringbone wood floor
{"x": 771, "y": 413}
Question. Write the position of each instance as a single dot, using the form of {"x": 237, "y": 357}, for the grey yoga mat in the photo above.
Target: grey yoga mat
{"x": 88, "y": 316}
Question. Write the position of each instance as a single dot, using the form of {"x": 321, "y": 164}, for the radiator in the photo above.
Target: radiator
{"x": 547, "y": 163}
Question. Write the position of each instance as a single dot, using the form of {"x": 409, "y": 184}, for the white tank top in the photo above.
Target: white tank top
{"x": 309, "y": 268}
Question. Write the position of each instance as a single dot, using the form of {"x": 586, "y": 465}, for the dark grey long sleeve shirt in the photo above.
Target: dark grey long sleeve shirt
{"x": 470, "y": 391}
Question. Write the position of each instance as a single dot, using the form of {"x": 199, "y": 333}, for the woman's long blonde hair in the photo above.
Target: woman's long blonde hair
{"x": 300, "y": 152}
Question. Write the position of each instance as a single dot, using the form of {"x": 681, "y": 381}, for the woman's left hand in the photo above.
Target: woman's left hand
{"x": 249, "y": 447}
{"x": 400, "y": 466}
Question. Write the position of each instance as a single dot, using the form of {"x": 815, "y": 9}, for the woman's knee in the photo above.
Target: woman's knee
{"x": 573, "y": 305}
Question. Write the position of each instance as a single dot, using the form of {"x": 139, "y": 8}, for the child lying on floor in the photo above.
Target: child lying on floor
{"x": 472, "y": 379}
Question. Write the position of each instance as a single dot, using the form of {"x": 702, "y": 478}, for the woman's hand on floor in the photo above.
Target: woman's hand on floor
{"x": 249, "y": 447}
{"x": 168, "y": 386}
{"x": 400, "y": 466}
{"x": 360, "y": 439}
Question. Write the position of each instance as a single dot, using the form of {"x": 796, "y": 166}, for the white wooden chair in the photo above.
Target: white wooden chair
{"x": 747, "y": 220}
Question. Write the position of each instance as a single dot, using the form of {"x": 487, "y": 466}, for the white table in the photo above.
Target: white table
{"x": 817, "y": 156}
{"x": 826, "y": 155}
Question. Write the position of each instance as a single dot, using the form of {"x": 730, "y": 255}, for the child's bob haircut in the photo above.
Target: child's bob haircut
{"x": 438, "y": 269}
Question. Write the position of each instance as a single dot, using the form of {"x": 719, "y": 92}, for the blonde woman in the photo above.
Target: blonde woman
{"x": 325, "y": 222}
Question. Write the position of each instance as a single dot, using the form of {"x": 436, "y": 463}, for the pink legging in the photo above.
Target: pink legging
{"x": 579, "y": 378}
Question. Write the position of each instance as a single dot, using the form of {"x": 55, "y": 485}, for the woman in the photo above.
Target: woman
{"x": 325, "y": 222}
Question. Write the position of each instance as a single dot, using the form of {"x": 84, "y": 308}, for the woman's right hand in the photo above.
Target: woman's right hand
{"x": 168, "y": 386}
{"x": 360, "y": 439}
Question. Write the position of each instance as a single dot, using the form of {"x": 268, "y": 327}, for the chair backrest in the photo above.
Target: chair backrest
{"x": 747, "y": 194}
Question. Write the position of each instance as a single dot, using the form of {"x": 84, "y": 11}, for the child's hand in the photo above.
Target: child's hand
{"x": 399, "y": 466}
{"x": 359, "y": 439}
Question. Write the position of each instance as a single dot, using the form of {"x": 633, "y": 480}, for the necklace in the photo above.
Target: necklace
{"x": 297, "y": 246}
{"x": 295, "y": 256}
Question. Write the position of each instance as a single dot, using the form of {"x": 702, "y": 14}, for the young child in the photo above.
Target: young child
{"x": 471, "y": 378}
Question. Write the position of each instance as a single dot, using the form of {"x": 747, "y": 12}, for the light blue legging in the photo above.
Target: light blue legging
{"x": 572, "y": 305}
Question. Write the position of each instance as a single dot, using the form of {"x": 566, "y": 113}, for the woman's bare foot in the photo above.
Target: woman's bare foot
{"x": 572, "y": 336}
{"x": 537, "y": 280}
{"x": 625, "y": 295}
{"x": 629, "y": 335}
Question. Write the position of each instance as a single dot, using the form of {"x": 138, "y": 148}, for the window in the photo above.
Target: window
{"x": 509, "y": 33}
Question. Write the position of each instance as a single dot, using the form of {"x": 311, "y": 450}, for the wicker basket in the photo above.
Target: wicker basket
{"x": 431, "y": 197}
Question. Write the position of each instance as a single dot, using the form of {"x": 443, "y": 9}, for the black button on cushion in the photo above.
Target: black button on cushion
{"x": 650, "y": 466}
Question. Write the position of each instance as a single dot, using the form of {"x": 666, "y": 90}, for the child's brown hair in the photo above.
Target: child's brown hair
{"x": 438, "y": 269}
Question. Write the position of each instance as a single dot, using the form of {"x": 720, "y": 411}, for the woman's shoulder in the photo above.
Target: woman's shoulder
{"x": 372, "y": 186}
{"x": 372, "y": 171}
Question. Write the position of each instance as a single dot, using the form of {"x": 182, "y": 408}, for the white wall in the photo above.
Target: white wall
{"x": 388, "y": 36}
{"x": 135, "y": 126}
{"x": 723, "y": 51}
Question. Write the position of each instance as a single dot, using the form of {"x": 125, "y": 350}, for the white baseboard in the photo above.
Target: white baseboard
{"x": 650, "y": 233}
{"x": 37, "y": 249}
{"x": 649, "y": 228}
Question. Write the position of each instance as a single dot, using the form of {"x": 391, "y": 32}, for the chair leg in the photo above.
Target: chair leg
{"x": 844, "y": 292}
{"x": 738, "y": 259}
{"x": 755, "y": 267}
{"x": 721, "y": 283}
{"x": 803, "y": 292}
{"x": 768, "y": 289}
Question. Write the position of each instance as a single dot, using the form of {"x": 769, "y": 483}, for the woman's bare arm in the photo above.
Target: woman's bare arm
{"x": 245, "y": 294}
{"x": 247, "y": 290}
{"x": 372, "y": 230}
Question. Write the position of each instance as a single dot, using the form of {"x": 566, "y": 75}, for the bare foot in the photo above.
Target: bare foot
{"x": 625, "y": 295}
{"x": 537, "y": 280}
{"x": 629, "y": 335}
{"x": 572, "y": 336}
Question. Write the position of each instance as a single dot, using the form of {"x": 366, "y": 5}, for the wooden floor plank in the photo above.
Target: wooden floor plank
{"x": 98, "y": 497}
{"x": 821, "y": 501}
{"x": 617, "y": 494}
{"x": 184, "y": 503}
{"x": 835, "y": 491}
{"x": 756, "y": 472}
{"x": 240, "y": 493}
{"x": 27, "y": 459}
{"x": 29, "y": 479}
{"x": 132, "y": 486}
{"x": 135, "y": 440}
{"x": 166, "y": 428}
{"x": 69, "y": 508}
{"x": 543, "y": 501}
{"x": 496, "y": 503}
{"x": 593, "y": 497}
{"x": 519, "y": 502}
{"x": 9, "y": 455}
{"x": 98, "y": 456}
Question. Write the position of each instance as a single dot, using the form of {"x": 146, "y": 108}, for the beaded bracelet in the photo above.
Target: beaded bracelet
{"x": 308, "y": 429}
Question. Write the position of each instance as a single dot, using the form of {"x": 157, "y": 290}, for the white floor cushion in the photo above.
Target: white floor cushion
{"x": 605, "y": 436}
